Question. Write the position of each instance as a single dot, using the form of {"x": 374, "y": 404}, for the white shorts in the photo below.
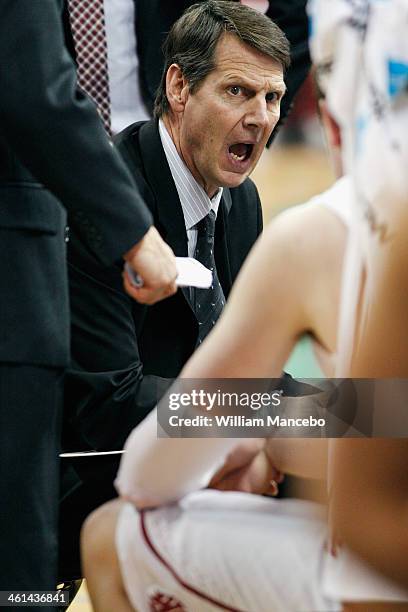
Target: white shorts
{"x": 224, "y": 551}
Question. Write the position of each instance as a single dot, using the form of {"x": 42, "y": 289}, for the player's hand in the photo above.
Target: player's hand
{"x": 153, "y": 260}
{"x": 248, "y": 469}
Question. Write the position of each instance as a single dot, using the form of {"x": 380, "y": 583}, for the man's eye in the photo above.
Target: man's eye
{"x": 272, "y": 97}
{"x": 235, "y": 90}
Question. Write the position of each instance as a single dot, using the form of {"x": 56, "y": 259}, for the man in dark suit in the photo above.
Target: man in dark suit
{"x": 214, "y": 115}
{"x": 53, "y": 150}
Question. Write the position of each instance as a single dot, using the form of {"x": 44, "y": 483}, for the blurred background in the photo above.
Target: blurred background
{"x": 296, "y": 167}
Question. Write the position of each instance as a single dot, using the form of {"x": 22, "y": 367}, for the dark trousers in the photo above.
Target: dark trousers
{"x": 30, "y": 423}
{"x": 86, "y": 484}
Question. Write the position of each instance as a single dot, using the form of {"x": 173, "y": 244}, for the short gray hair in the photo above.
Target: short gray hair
{"x": 192, "y": 41}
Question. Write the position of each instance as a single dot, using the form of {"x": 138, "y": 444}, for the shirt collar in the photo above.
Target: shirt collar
{"x": 194, "y": 201}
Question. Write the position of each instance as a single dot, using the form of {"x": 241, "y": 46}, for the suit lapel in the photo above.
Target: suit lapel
{"x": 221, "y": 253}
{"x": 169, "y": 211}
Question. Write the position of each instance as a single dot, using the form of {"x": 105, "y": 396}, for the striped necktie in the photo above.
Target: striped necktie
{"x": 87, "y": 19}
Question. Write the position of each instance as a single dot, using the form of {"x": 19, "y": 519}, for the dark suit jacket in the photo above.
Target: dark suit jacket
{"x": 52, "y": 149}
{"x": 124, "y": 353}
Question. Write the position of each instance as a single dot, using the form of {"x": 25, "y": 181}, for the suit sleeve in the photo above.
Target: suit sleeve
{"x": 107, "y": 393}
{"x": 54, "y": 130}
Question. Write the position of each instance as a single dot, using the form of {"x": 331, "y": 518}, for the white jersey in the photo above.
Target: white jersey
{"x": 337, "y": 199}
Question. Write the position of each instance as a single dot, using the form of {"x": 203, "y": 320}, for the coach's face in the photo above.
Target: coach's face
{"x": 223, "y": 127}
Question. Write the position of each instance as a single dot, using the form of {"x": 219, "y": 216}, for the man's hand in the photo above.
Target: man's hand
{"x": 248, "y": 469}
{"x": 153, "y": 260}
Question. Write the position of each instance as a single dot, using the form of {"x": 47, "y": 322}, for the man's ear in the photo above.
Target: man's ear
{"x": 331, "y": 126}
{"x": 176, "y": 89}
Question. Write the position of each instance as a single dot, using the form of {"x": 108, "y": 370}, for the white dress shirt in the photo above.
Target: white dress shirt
{"x": 194, "y": 201}
{"x": 123, "y": 64}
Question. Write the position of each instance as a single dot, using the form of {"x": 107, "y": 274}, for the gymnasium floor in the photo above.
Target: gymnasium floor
{"x": 285, "y": 176}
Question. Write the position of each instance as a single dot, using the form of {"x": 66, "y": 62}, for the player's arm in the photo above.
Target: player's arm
{"x": 267, "y": 310}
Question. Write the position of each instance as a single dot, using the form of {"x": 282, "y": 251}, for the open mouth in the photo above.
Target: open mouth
{"x": 240, "y": 151}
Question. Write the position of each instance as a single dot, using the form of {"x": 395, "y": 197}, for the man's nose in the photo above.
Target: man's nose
{"x": 257, "y": 114}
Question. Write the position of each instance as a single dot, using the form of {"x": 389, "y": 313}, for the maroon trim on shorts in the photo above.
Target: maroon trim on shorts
{"x": 173, "y": 572}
